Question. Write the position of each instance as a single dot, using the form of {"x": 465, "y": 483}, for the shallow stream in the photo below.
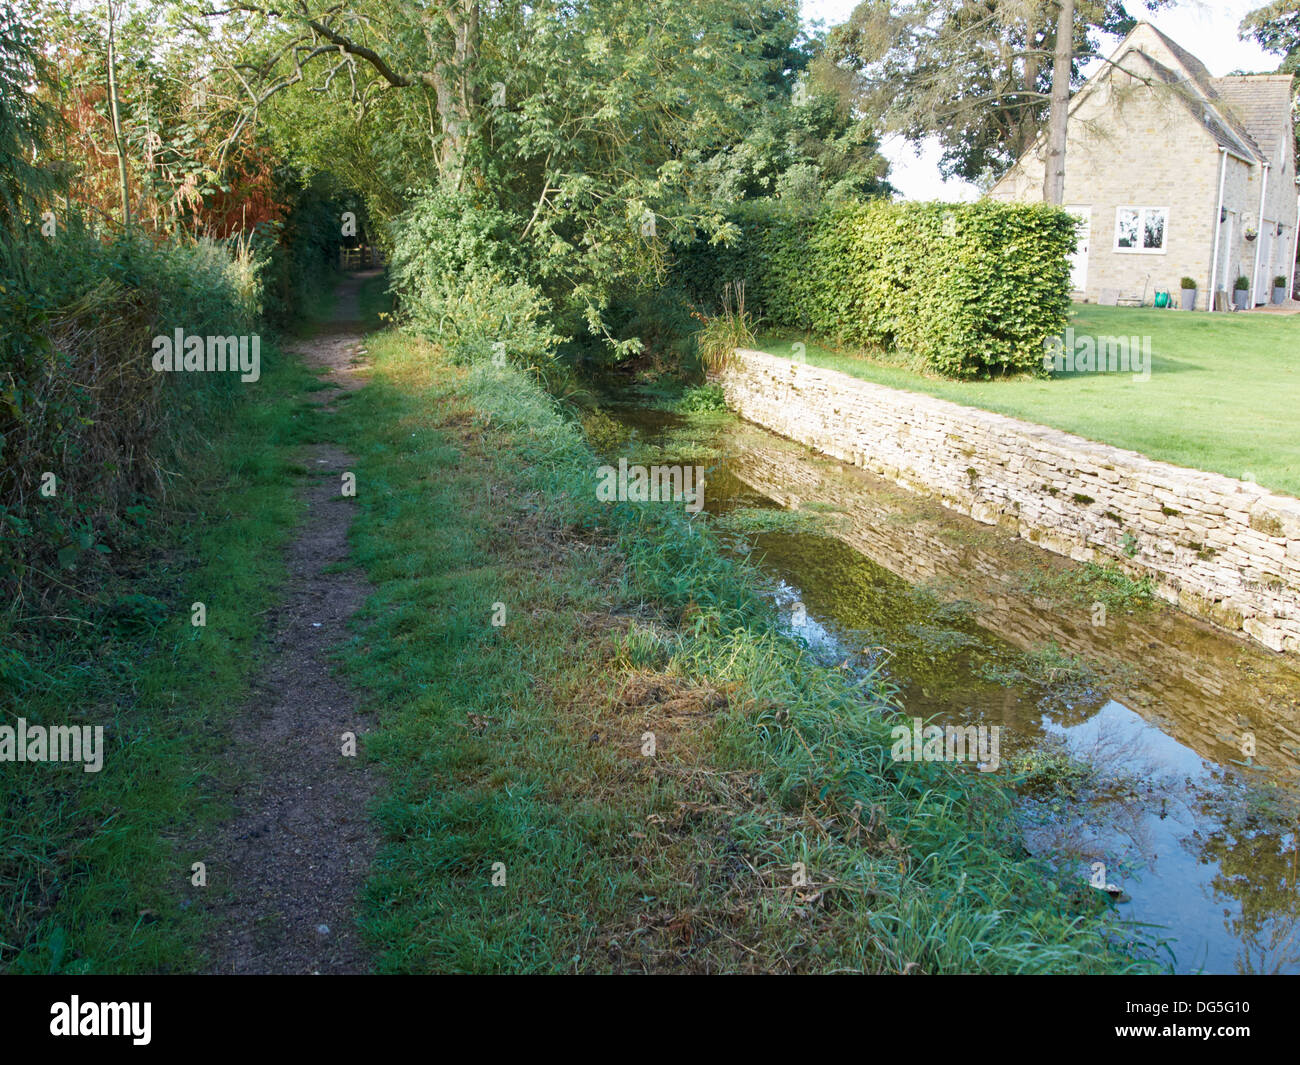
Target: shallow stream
{"x": 1131, "y": 726}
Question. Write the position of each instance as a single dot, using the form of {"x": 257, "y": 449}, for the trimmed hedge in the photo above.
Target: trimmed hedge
{"x": 974, "y": 289}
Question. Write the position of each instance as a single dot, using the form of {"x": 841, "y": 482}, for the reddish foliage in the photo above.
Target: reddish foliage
{"x": 172, "y": 198}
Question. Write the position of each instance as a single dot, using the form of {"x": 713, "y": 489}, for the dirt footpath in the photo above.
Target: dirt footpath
{"x": 284, "y": 874}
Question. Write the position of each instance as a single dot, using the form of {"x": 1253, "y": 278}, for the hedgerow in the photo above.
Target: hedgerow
{"x": 973, "y": 289}
{"x": 86, "y": 425}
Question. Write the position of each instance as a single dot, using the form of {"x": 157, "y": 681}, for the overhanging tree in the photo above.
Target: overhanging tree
{"x": 980, "y": 76}
{"x": 1275, "y": 27}
{"x": 591, "y": 121}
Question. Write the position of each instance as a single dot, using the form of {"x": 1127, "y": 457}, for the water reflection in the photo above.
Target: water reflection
{"x": 1199, "y": 837}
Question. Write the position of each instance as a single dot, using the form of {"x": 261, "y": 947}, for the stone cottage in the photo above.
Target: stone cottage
{"x": 1174, "y": 173}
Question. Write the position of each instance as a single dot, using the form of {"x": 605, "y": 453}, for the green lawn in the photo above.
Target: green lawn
{"x": 1223, "y": 393}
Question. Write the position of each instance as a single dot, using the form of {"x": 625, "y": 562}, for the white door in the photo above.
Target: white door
{"x": 1264, "y": 275}
{"x": 1079, "y": 260}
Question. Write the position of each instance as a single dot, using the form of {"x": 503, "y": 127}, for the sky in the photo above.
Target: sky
{"x": 1206, "y": 28}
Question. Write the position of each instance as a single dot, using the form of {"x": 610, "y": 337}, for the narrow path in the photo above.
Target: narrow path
{"x": 285, "y": 872}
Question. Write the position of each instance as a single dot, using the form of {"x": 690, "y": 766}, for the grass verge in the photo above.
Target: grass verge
{"x": 95, "y": 867}
{"x": 635, "y": 770}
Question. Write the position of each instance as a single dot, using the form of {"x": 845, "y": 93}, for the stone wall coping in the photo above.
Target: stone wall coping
{"x": 1102, "y": 455}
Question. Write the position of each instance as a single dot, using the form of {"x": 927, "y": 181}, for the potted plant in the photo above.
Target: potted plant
{"x": 1188, "y": 285}
{"x": 1251, "y": 233}
{"x": 1241, "y": 293}
{"x": 1279, "y": 289}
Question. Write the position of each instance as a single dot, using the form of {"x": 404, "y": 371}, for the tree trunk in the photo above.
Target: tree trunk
{"x": 455, "y": 87}
{"x": 117, "y": 122}
{"x": 1025, "y": 129}
{"x": 1054, "y": 170}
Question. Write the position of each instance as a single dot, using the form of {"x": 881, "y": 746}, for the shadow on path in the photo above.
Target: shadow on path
{"x": 285, "y": 872}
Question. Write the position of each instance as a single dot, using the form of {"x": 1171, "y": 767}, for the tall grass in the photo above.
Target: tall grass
{"x": 521, "y": 744}
{"x": 84, "y": 405}
{"x": 726, "y": 331}
{"x": 94, "y": 867}
{"x": 171, "y": 490}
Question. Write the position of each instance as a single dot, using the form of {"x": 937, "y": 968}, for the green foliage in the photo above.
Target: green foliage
{"x": 461, "y": 277}
{"x": 1242, "y": 283}
{"x": 973, "y": 289}
{"x": 481, "y": 315}
{"x": 657, "y": 321}
{"x": 444, "y": 234}
{"x": 702, "y": 399}
{"x": 79, "y": 398}
{"x": 25, "y": 120}
{"x": 809, "y": 149}
{"x": 1275, "y": 27}
{"x": 1093, "y": 583}
{"x": 135, "y": 613}
{"x": 588, "y": 129}
{"x": 1187, "y": 282}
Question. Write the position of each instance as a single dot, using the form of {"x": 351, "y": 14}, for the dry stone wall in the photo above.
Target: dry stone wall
{"x": 1179, "y": 662}
{"x": 1222, "y": 549}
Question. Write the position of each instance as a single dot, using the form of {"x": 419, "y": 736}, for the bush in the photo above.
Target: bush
{"x": 1242, "y": 283}
{"x": 445, "y": 234}
{"x": 462, "y": 281}
{"x": 79, "y": 398}
{"x": 1187, "y": 282}
{"x": 481, "y": 315}
{"x": 702, "y": 399}
{"x": 973, "y": 289}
